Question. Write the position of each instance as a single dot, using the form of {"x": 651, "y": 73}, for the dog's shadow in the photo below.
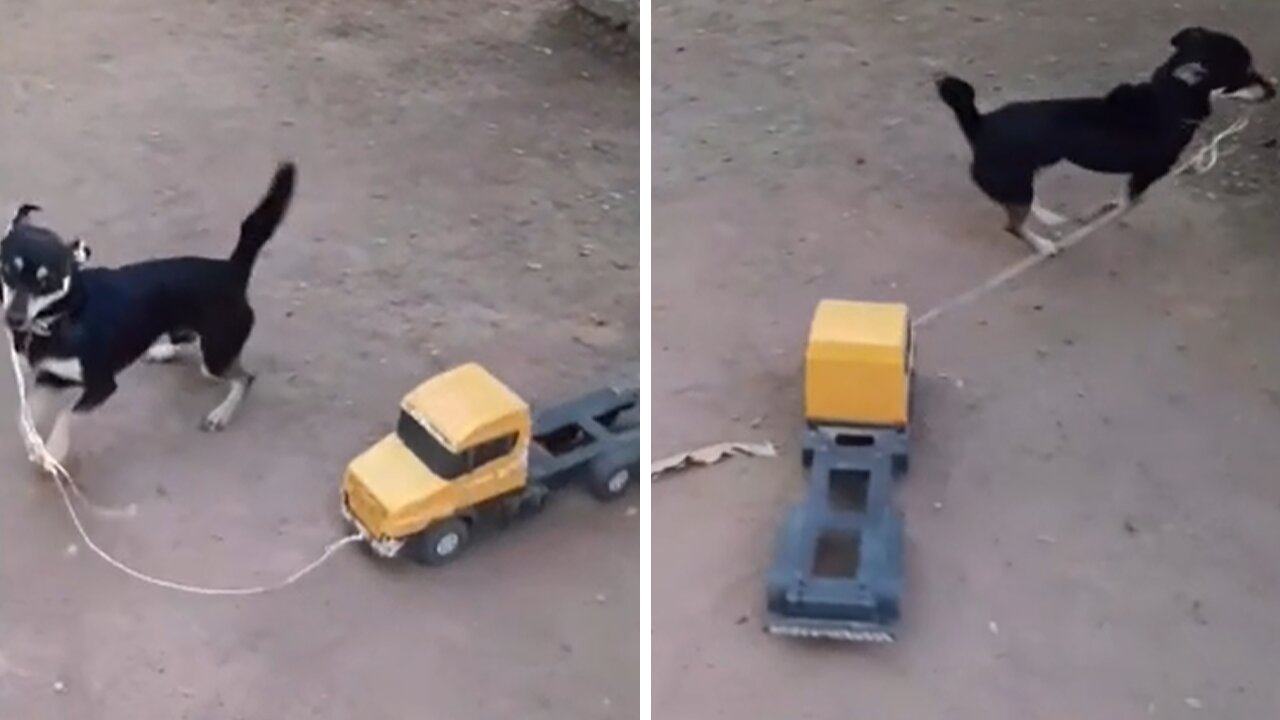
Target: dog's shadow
{"x": 167, "y": 402}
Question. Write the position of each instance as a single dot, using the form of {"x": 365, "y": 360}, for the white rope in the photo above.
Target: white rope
{"x": 37, "y": 452}
{"x": 1207, "y": 156}
{"x": 1201, "y": 161}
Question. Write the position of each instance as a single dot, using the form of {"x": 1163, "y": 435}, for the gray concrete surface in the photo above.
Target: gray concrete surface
{"x": 467, "y": 190}
{"x": 1095, "y": 471}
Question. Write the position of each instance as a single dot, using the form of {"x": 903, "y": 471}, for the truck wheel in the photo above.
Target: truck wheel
{"x": 613, "y": 483}
{"x": 534, "y": 501}
{"x": 901, "y": 464}
{"x": 440, "y": 543}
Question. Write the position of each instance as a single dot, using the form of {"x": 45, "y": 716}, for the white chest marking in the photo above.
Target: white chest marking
{"x": 66, "y": 368}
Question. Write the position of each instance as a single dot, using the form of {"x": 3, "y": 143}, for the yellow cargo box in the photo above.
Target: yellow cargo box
{"x": 858, "y": 364}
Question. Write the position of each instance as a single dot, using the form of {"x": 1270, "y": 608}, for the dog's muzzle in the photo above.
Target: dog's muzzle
{"x": 1254, "y": 89}
{"x": 1259, "y": 89}
{"x": 1268, "y": 87}
{"x": 15, "y": 314}
{"x": 16, "y": 318}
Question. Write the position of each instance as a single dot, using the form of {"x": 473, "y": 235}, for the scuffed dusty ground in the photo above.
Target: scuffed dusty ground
{"x": 1094, "y": 472}
{"x": 467, "y": 191}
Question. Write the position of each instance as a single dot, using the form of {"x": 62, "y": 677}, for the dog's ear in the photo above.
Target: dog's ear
{"x": 80, "y": 251}
{"x": 1190, "y": 73}
{"x": 23, "y": 211}
{"x": 1188, "y": 38}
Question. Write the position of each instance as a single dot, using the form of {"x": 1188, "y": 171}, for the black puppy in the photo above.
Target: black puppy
{"x": 1137, "y": 130}
{"x": 77, "y": 327}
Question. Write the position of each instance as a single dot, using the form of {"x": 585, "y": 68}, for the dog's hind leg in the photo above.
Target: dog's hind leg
{"x": 1018, "y": 215}
{"x": 221, "y": 346}
{"x": 1013, "y": 186}
{"x": 239, "y": 381}
{"x": 1047, "y": 216}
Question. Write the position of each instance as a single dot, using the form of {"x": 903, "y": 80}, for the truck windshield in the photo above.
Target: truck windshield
{"x": 439, "y": 459}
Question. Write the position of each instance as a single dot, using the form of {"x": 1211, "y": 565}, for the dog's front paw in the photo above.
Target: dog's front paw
{"x": 215, "y": 421}
{"x": 39, "y": 460}
{"x": 42, "y": 465}
{"x": 1041, "y": 245}
{"x": 38, "y": 463}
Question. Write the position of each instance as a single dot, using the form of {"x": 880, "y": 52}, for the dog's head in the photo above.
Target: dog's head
{"x": 37, "y": 272}
{"x": 1219, "y": 63}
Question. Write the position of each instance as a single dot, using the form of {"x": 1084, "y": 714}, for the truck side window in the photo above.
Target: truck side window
{"x": 487, "y": 452}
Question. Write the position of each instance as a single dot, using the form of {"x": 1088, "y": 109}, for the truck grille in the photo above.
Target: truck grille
{"x": 366, "y": 509}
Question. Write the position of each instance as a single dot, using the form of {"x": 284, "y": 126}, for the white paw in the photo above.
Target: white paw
{"x": 216, "y": 420}
{"x": 161, "y": 352}
{"x": 45, "y": 462}
{"x": 1047, "y": 216}
{"x": 1044, "y": 246}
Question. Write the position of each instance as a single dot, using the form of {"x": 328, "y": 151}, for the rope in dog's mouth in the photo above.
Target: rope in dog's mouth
{"x": 38, "y": 453}
{"x": 1201, "y": 161}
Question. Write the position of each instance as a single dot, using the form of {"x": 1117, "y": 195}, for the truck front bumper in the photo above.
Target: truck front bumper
{"x": 384, "y": 547}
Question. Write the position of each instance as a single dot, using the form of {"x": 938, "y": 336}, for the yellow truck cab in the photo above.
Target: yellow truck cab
{"x": 859, "y": 365}
{"x": 466, "y": 448}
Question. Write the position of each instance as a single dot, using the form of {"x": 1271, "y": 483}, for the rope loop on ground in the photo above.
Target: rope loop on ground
{"x": 39, "y": 454}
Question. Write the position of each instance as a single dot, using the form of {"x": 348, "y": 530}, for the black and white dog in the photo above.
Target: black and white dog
{"x": 77, "y": 327}
{"x": 1137, "y": 130}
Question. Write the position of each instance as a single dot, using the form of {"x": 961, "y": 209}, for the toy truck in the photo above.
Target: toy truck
{"x": 837, "y": 569}
{"x": 468, "y": 453}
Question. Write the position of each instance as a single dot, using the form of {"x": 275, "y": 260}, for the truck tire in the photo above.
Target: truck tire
{"x": 440, "y": 543}
{"x": 613, "y": 482}
{"x": 901, "y": 464}
{"x": 532, "y": 502}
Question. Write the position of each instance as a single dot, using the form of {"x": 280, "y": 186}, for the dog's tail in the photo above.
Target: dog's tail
{"x": 960, "y": 97}
{"x": 259, "y": 226}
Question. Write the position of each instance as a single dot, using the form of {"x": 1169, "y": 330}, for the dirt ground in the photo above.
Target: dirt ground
{"x": 1093, "y": 511}
{"x": 468, "y": 190}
